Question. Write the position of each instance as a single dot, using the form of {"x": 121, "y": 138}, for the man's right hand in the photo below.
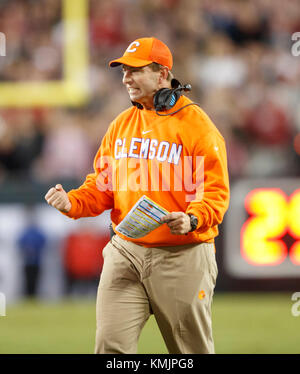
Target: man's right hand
{"x": 58, "y": 198}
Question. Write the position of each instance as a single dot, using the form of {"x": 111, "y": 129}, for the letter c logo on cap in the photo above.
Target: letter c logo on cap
{"x": 130, "y": 48}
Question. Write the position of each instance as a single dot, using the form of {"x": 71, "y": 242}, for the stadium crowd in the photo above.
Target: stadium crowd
{"x": 236, "y": 54}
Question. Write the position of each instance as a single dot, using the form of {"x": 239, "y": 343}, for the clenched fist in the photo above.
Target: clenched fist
{"x": 58, "y": 198}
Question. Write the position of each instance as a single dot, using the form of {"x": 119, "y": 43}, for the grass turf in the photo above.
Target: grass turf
{"x": 242, "y": 323}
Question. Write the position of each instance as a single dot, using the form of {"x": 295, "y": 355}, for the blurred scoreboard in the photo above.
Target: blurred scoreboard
{"x": 262, "y": 229}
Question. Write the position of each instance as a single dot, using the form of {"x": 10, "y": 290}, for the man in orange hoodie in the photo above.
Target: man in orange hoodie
{"x": 166, "y": 148}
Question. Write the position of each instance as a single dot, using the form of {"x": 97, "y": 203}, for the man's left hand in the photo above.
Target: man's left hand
{"x": 179, "y": 222}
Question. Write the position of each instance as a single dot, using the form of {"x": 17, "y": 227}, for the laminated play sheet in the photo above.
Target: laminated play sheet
{"x": 144, "y": 217}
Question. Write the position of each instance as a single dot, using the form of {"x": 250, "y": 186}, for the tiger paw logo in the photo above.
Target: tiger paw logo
{"x": 201, "y": 295}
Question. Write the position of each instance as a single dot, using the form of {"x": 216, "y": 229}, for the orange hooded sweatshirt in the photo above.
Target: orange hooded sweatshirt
{"x": 179, "y": 161}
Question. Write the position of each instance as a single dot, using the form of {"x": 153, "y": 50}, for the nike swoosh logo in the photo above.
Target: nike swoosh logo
{"x": 145, "y": 132}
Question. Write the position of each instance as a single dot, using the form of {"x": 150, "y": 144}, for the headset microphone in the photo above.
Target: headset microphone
{"x": 187, "y": 87}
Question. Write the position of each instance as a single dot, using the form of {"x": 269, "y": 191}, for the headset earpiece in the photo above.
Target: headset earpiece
{"x": 165, "y": 99}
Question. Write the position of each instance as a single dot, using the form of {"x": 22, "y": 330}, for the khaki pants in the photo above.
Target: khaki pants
{"x": 176, "y": 284}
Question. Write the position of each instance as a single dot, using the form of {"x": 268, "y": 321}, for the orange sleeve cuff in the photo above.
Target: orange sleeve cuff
{"x": 72, "y": 212}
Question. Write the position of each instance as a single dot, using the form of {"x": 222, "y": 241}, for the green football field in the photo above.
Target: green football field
{"x": 243, "y": 323}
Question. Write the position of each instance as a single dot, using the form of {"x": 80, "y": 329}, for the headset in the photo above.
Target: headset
{"x": 166, "y": 98}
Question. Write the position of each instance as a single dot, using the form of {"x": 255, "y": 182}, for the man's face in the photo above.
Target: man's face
{"x": 141, "y": 84}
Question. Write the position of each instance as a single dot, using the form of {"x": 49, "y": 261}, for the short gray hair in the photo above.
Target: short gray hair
{"x": 156, "y": 67}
